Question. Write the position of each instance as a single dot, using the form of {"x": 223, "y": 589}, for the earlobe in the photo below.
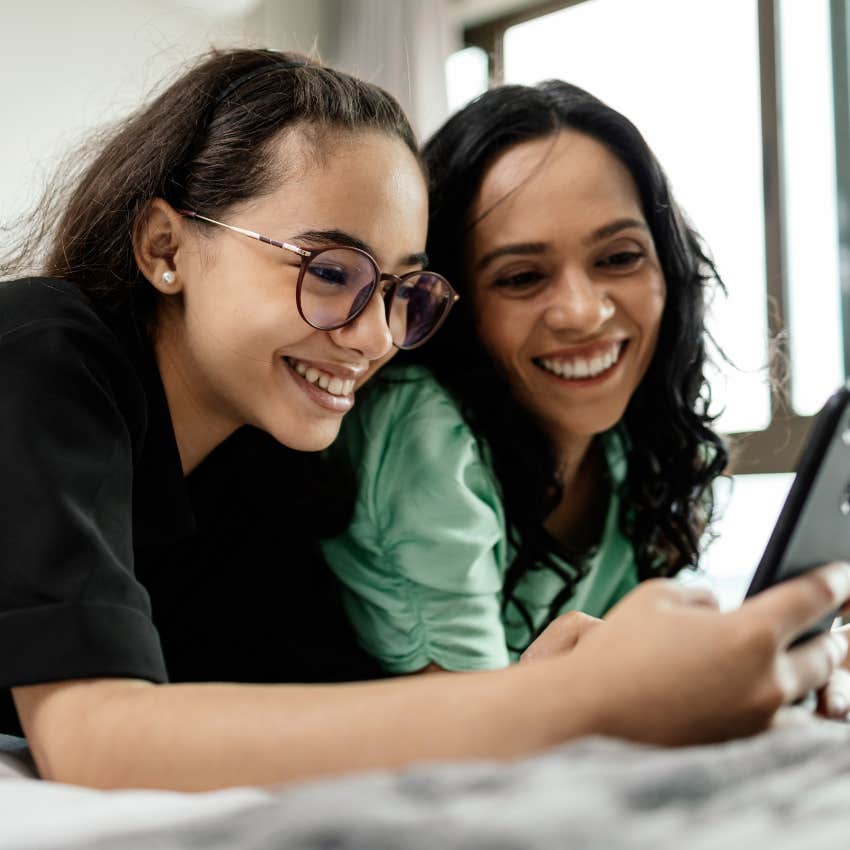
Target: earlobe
{"x": 156, "y": 245}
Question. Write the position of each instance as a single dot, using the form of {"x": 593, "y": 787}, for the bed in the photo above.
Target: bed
{"x": 788, "y": 788}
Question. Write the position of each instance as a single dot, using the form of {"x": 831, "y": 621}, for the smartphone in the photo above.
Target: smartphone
{"x": 814, "y": 525}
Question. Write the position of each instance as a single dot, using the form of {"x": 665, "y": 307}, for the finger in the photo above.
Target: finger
{"x": 844, "y": 630}
{"x": 835, "y": 697}
{"x": 703, "y": 596}
{"x": 808, "y": 667}
{"x": 561, "y": 635}
{"x": 686, "y": 594}
{"x": 794, "y": 605}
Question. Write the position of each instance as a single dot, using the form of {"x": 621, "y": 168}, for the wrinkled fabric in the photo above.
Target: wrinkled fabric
{"x": 424, "y": 559}
{"x": 785, "y": 790}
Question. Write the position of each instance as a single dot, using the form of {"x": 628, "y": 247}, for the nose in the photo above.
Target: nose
{"x": 369, "y": 333}
{"x": 577, "y": 304}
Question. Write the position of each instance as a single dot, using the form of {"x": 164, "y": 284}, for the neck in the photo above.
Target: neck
{"x": 579, "y": 516}
{"x": 197, "y": 429}
{"x": 571, "y": 453}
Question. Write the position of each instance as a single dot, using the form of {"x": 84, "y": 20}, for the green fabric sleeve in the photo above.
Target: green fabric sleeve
{"x": 422, "y": 562}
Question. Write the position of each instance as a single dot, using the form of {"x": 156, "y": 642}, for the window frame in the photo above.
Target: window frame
{"x": 775, "y": 448}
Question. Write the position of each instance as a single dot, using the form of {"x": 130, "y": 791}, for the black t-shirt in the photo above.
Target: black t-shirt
{"x": 114, "y": 564}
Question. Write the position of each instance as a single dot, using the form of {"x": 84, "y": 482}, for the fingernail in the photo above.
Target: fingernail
{"x": 837, "y": 647}
{"x": 838, "y": 706}
{"x": 838, "y": 578}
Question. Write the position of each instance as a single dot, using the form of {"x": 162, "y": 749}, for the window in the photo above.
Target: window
{"x": 749, "y": 130}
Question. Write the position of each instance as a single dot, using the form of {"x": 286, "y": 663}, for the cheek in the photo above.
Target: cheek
{"x": 655, "y": 304}
{"x": 250, "y": 314}
{"x": 648, "y": 311}
{"x": 375, "y": 366}
{"x": 500, "y": 331}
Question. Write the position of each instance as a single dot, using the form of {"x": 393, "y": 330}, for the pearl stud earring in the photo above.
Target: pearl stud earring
{"x": 168, "y": 278}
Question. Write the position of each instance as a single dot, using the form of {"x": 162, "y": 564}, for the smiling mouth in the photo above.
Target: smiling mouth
{"x": 329, "y": 383}
{"x": 583, "y": 368}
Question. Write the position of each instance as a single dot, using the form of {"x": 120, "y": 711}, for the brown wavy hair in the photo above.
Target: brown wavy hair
{"x": 204, "y": 143}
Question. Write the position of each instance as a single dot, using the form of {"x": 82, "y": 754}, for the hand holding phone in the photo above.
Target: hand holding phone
{"x": 814, "y": 525}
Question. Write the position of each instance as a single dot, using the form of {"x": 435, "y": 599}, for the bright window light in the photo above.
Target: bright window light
{"x": 811, "y": 221}
{"x": 697, "y": 102}
{"x": 467, "y": 76}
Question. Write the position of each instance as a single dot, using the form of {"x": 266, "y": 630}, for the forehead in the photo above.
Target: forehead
{"x": 567, "y": 182}
{"x": 366, "y": 183}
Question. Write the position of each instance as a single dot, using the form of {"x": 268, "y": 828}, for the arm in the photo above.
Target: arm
{"x": 667, "y": 668}
{"x": 421, "y": 562}
{"x": 127, "y": 733}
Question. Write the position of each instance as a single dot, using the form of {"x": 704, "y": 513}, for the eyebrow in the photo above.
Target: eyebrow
{"x": 341, "y": 237}
{"x": 520, "y": 248}
{"x": 525, "y": 249}
{"x": 615, "y": 227}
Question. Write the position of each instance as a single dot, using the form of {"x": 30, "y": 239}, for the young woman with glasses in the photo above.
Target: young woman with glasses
{"x": 207, "y": 297}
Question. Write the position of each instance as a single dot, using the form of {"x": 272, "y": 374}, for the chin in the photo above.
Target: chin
{"x": 306, "y": 439}
{"x": 590, "y": 426}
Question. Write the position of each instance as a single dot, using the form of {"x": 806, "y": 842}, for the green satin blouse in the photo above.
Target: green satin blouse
{"x": 423, "y": 562}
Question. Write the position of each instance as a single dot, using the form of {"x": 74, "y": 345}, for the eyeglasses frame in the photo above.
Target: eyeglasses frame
{"x": 390, "y": 282}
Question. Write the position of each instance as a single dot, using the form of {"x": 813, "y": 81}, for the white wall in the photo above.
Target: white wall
{"x": 66, "y": 67}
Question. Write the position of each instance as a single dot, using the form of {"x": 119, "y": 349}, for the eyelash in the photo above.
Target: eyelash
{"x": 633, "y": 257}
{"x": 619, "y": 260}
{"x": 520, "y": 280}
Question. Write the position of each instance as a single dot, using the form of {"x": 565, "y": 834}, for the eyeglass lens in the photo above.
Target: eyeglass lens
{"x": 339, "y": 282}
{"x": 420, "y": 303}
{"x": 335, "y": 287}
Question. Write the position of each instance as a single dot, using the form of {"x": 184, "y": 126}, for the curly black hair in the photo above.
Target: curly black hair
{"x": 672, "y": 451}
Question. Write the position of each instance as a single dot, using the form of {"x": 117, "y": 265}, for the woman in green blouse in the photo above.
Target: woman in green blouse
{"x": 557, "y": 449}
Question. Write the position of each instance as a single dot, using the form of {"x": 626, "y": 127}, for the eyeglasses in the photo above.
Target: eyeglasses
{"x": 335, "y": 284}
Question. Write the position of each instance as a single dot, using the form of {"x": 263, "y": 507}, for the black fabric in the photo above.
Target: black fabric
{"x": 114, "y": 564}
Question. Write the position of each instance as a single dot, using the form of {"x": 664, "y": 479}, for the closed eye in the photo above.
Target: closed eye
{"x": 329, "y": 273}
{"x": 621, "y": 260}
{"x": 519, "y": 281}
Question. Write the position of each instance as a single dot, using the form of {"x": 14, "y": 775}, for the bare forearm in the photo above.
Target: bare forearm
{"x": 195, "y": 737}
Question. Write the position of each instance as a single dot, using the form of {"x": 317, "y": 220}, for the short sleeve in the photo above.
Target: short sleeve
{"x": 422, "y": 561}
{"x": 70, "y": 605}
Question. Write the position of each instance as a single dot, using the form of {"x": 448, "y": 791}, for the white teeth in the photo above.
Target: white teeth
{"x": 581, "y": 367}
{"x": 329, "y": 383}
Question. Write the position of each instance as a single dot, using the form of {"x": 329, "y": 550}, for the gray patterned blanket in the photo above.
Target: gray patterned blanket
{"x": 788, "y": 789}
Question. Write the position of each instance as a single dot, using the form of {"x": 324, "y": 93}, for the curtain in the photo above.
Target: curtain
{"x": 400, "y": 45}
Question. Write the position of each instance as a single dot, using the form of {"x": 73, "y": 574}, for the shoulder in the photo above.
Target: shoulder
{"x": 411, "y": 447}
{"x": 36, "y": 301}
{"x": 49, "y": 308}
{"x": 404, "y": 411}
{"x": 54, "y": 342}
{"x": 406, "y": 392}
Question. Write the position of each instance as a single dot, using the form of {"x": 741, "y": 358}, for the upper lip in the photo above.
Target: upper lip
{"x": 345, "y": 371}
{"x": 587, "y": 350}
